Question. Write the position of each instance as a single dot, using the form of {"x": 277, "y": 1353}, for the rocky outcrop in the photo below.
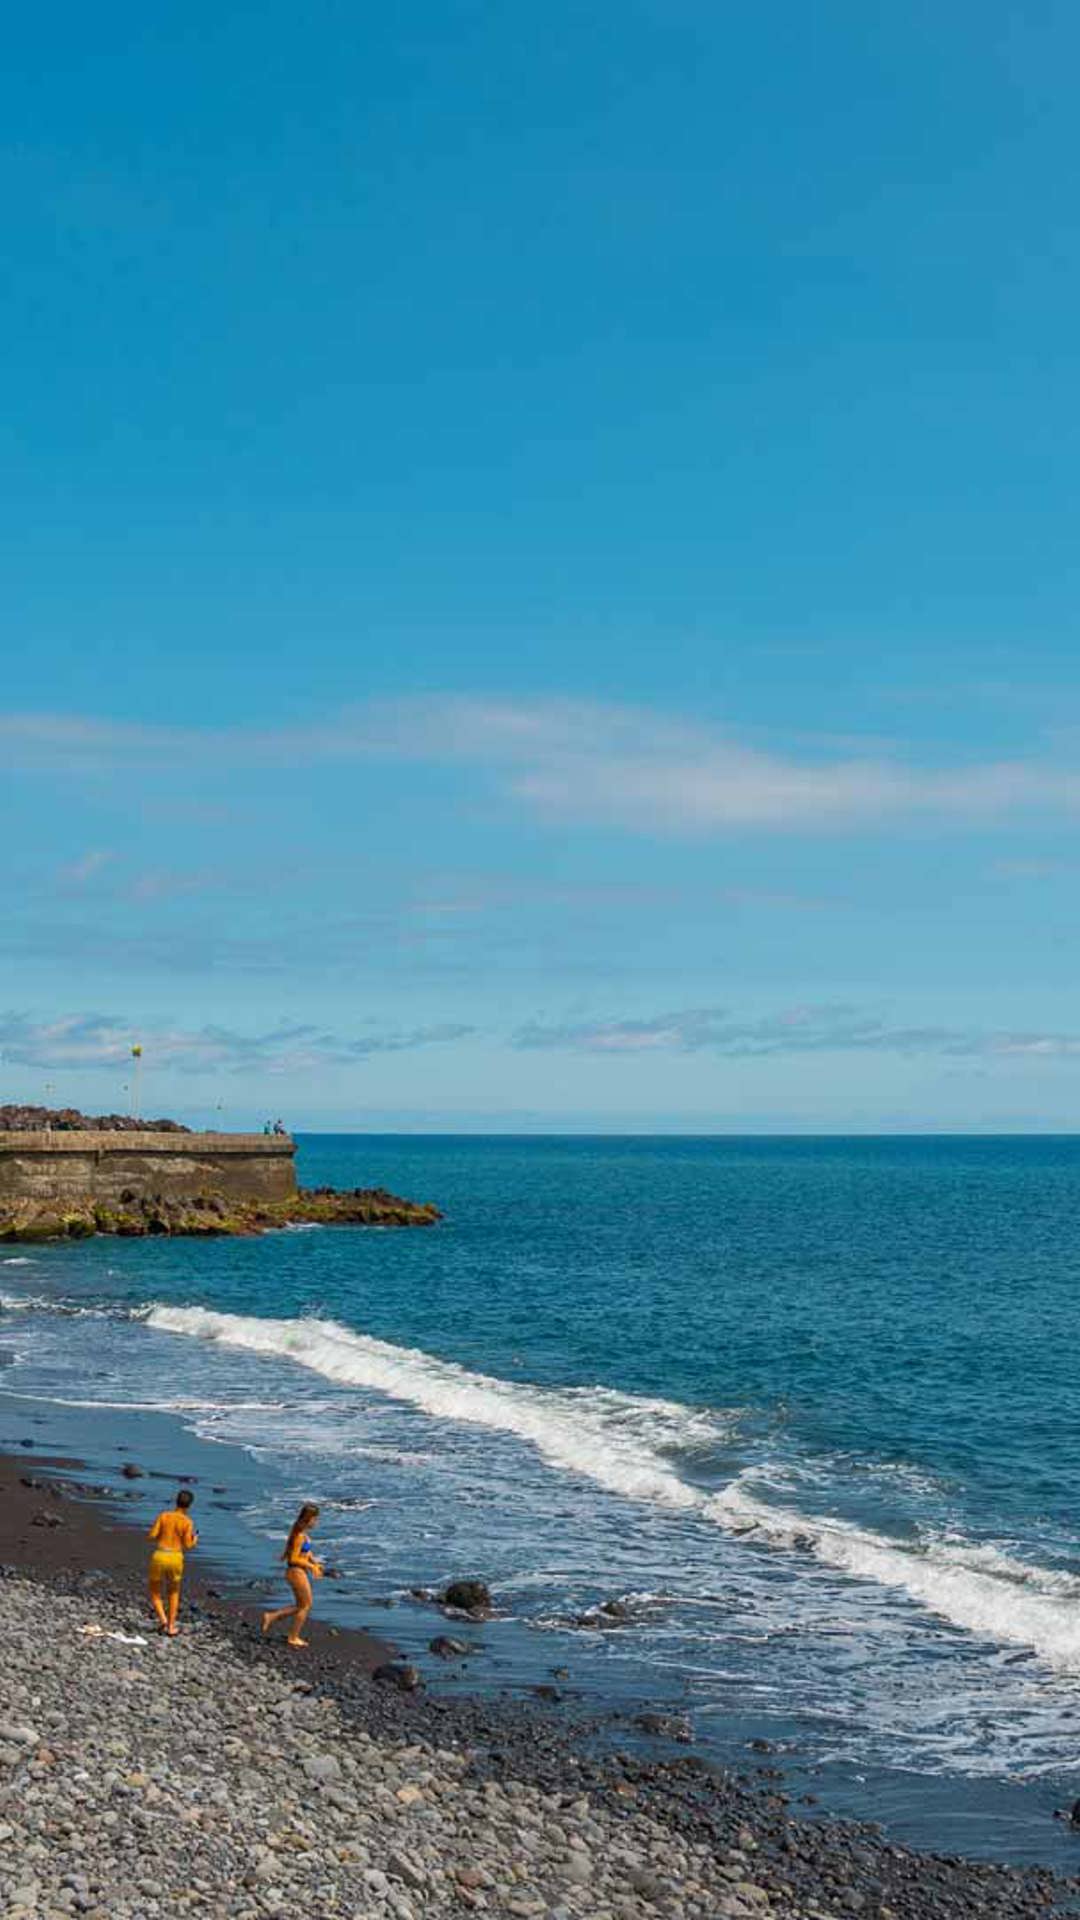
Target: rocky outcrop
{"x": 134, "y": 1216}
{"x": 22, "y": 1119}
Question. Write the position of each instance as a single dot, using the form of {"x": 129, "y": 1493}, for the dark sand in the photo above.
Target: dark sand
{"x": 58, "y": 1527}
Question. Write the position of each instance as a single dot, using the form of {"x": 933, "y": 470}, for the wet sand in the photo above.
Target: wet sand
{"x": 59, "y": 1526}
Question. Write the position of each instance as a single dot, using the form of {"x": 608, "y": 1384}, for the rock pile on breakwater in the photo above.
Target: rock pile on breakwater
{"x": 26, "y": 1119}
{"x": 135, "y": 1215}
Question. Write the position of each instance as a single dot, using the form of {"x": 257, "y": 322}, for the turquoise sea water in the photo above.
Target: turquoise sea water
{"x": 812, "y": 1405}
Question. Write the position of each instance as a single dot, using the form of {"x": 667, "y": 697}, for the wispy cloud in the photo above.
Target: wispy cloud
{"x": 87, "y": 1041}
{"x": 1034, "y": 869}
{"x": 81, "y": 872}
{"x": 793, "y": 1030}
{"x": 111, "y": 879}
{"x": 631, "y": 770}
{"x": 580, "y": 761}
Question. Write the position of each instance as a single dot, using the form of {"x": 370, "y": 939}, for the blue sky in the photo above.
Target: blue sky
{"x": 540, "y": 569}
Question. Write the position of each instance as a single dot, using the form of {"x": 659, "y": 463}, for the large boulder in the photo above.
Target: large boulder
{"x": 468, "y": 1596}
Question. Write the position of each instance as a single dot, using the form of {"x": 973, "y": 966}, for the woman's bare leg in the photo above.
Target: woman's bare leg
{"x": 299, "y": 1620}
{"x": 301, "y": 1587}
{"x": 174, "y": 1607}
{"x": 299, "y": 1610}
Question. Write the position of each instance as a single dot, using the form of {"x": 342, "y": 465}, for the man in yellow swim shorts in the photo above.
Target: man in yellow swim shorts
{"x": 173, "y": 1536}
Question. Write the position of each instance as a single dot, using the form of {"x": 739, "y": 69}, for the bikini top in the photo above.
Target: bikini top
{"x": 299, "y": 1550}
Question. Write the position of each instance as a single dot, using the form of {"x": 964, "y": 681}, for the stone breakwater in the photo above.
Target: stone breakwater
{"x": 132, "y": 1214}
{"x": 70, "y": 1183}
{"x": 139, "y": 1778}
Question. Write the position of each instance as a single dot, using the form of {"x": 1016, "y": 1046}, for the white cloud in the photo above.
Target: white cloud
{"x": 578, "y": 761}
{"x": 791, "y": 1030}
{"x": 80, "y": 1041}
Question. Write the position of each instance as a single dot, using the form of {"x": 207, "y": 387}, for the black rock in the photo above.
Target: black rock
{"x": 399, "y": 1674}
{"x": 604, "y": 1618}
{"x": 468, "y": 1596}
{"x": 448, "y": 1649}
{"x": 131, "y": 1472}
{"x": 666, "y": 1726}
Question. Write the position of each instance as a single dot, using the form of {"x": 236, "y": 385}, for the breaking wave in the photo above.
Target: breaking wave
{"x": 615, "y": 1439}
{"x": 632, "y": 1446}
{"x": 979, "y": 1588}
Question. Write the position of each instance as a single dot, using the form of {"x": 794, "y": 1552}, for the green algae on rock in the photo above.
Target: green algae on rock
{"x": 136, "y": 1216}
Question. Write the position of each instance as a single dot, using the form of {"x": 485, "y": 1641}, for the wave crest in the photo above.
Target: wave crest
{"x": 630, "y": 1445}
{"x": 616, "y": 1439}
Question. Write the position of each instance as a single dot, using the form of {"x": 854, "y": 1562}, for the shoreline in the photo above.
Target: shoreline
{"x": 61, "y": 1531}
{"x": 243, "y": 1497}
{"x": 745, "y": 1832}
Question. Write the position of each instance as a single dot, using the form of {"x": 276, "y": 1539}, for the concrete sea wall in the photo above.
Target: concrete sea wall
{"x": 107, "y": 1166}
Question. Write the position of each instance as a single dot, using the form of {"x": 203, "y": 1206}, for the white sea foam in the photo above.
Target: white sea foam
{"x": 630, "y": 1446}
{"x": 225, "y": 1407}
{"x": 980, "y": 1588}
{"x": 64, "y": 1309}
{"x": 16, "y": 1260}
{"x": 613, "y": 1438}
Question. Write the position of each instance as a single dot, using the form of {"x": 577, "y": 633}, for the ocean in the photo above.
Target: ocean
{"x": 810, "y": 1408}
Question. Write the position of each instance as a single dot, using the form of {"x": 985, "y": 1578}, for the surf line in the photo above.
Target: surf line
{"x": 615, "y": 1440}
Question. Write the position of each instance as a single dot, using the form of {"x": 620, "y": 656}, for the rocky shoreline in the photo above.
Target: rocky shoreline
{"x": 207, "y": 1215}
{"x": 219, "y": 1774}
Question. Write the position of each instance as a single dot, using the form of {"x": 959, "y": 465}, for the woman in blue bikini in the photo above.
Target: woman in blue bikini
{"x": 301, "y": 1568}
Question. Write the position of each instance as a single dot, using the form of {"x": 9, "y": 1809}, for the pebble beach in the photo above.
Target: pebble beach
{"x": 220, "y": 1775}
